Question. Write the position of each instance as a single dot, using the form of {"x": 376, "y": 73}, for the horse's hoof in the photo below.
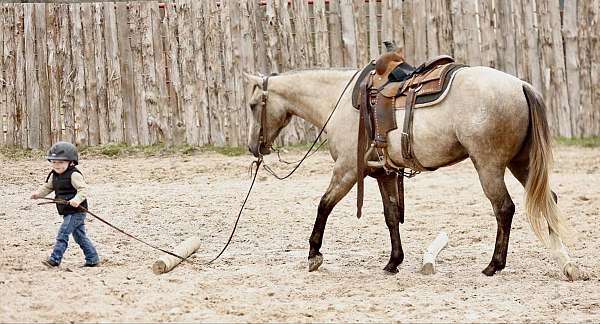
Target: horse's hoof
{"x": 390, "y": 269}
{"x": 315, "y": 262}
{"x": 489, "y": 270}
{"x": 573, "y": 273}
{"x": 428, "y": 269}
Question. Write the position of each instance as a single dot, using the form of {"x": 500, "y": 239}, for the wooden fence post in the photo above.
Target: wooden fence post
{"x": 569, "y": 30}
{"x": 115, "y": 102}
{"x": 140, "y": 110}
{"x": 99, "y": 72}
{"x": 89, "y": 59}
{"x": 41, "y": 46}
{"x": 32, "y": 86}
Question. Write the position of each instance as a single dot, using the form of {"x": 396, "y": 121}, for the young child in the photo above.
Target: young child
{"x": 68, "y": 184}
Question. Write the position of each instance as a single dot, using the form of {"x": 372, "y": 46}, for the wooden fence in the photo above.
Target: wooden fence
{"x": 148, "y": 72}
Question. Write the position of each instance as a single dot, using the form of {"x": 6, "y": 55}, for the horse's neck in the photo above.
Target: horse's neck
{"x": 314, "y": 97}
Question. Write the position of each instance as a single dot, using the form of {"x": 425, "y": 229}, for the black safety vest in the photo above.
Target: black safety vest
{"x": 63, "y": 189}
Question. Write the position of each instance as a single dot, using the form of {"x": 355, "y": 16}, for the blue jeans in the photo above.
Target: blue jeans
{"x": 74, "y": 224}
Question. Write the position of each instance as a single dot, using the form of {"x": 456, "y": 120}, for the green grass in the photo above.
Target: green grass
{"x": 593, "y": 141}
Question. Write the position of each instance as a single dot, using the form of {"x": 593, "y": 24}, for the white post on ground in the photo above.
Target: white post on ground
{"x": 439, "y": 243}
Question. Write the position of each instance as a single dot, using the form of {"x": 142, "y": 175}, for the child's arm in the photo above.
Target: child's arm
{"x": 78, "y": 182}
{"x": 43, "y": 190}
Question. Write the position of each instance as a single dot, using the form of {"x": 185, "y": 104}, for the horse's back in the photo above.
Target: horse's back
{"x": 484, "y": 112}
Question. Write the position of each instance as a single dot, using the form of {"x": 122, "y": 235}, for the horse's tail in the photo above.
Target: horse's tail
{"x": 542, "y": 211}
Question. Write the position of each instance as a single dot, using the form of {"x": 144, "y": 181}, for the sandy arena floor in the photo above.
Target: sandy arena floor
{"x": 263, "y": 275}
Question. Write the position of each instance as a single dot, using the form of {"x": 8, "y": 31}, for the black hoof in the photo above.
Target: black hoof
{"x": 314, "y": 262}
{"x": 391, "y": 269}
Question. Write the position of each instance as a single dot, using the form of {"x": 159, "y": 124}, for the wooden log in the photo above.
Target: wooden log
{"x": 471, "y": 30}
{"x": 236, "y": 70}
{"x": 227, "y": 77}
{"x": 522, "y": 63}
{"x": 99, "y": 73}
{"x": 127, "y": 82}
{"x": 160, "y": 66}
{"x": 20, "y": 88}
{"x": 260, "y": 53}
{"x": 420, "y": 29}
{"x": 9, "y": 73}
{"x": 304, "y": 52}
{"x": 372, "y": 26}
{"x": 429, "y": 257}
{"x": 445, "y": 36}
{"x": 288, "y": 59}
{"x": 166, "y": 262}
{"x": 397, "y": 22}
{"x": 113, "y": 74}
{"x": 213, "y": 72}
{"x": 247, "y": 51}
{"x": 3, "y": 81}
{"x": 335, "y": 34}
{"x": 52, "y": 29}
{"x": 42, "y": 74}
{"x": 89, "y": 61}
{"x": 203, "y": 115}
{"x": 65, "y": 72}
{"x": 533, "y": 48}
{"x": 175, "y": 87}
{"x": 569, "y": 31}
{"x": 135, "y": 39}
{"x": 189, "y": 92}
{"x": 348, "y": 34}
{"x": 150, "y": 88}
{"x": 593, "y": 126}
{"x": 488, "y": 38}
{"x": 362, "y": 36}
{"x": 32, "y": 86}
{"x": 409, "y": 32}
{"x": 272, "y": 43}
{"x": 432, "y": 11}
{"x": 458, "y": 35}
{"x": 79, "y": 108}
{"x": 505, "y": 37}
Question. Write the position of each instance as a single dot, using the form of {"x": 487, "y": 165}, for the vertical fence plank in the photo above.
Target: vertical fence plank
{"x": 471, "y": 30}
{"x": 32, "y": 86}
{"x": 189, "y": 92}
{"x": 99, "y": 72}
{"x": 52, "y": 29}
{"x": 3, "y": 80}
{"x": 135, "y": 40}
{"x": 127, "y": 82}
{"x": 80, "y": 107}
{"x": 9, "y": 53}
{"x": 150, "y": 89}
{"x": 228, "y": 95}
{"x": 89, "y": 60}
{"x": 488, "y": 39}
{"x": 533, "y": 52}
{"x": 213, "y": 72}
{"x": 65, "y": 73}
{"x": 160, "y": 67}
{"x": 113, "y": 74}
{"x": 505, "y": 37}
{"x": 522, "y": 63}
{"x": 348, "y": 34}
{"x": 432, "y": 10}
{"x": 42, "y": 74}
{"x": 237, "y": 60}
{"x": 594, "y": 123}
{"x": 372, "y": 26}
{"x": 409, "y": 32}
{"x": 387, "y": 22}
{"x": 420, "y": 29}
{"x": 200, "y": 68}
{"x": 458, "y": 35}
{"x": 302, "y": 37}
{"x": 397, "y": 22}
{"x": 271, "y": 37}
{"x": 284, "y": 27}
{"x": 321, "y": 38}
{"x": 335, "y": 34}
{"x": 362, "y": 36}
{"x": 569, "y": 30}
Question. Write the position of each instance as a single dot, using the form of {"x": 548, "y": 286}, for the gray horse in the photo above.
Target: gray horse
{"x": 493, "y": 118}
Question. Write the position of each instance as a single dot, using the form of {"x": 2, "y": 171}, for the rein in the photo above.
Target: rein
{"x": 64, "y": 202}
{"x": 262, "y": 141}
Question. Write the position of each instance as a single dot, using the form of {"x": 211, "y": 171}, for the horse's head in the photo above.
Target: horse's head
{"x": 269, "y": 115}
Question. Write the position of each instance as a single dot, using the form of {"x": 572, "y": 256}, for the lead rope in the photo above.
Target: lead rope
{"x": 256, "y": 163}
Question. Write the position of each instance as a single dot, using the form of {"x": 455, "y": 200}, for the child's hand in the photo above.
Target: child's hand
{"x": 73, "y": 203}
{"x": 35, "y": 195}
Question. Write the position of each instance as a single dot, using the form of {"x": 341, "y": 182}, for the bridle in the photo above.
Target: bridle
{"x": 262, "y": 133}
{"x": 262, "y": 142}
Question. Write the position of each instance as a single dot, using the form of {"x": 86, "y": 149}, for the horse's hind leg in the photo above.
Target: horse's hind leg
{"x": 520, "y": 169}
{"x": 388, "y": 188}
{"x": 341, "y": 182}
{"x": 492, "y": 181}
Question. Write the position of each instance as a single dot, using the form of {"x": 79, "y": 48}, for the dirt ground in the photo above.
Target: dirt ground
{"x": 263, "y": 275}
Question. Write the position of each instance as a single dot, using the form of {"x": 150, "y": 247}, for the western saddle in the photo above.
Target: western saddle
{"x": 387, "y": 84}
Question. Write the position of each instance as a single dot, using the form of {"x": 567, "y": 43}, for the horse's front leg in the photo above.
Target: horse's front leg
{"x": 388, "y": 187}
{"x": 341, "y": 182}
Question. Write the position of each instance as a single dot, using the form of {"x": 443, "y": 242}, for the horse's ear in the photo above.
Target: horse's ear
{"x": 253, "y": 80}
